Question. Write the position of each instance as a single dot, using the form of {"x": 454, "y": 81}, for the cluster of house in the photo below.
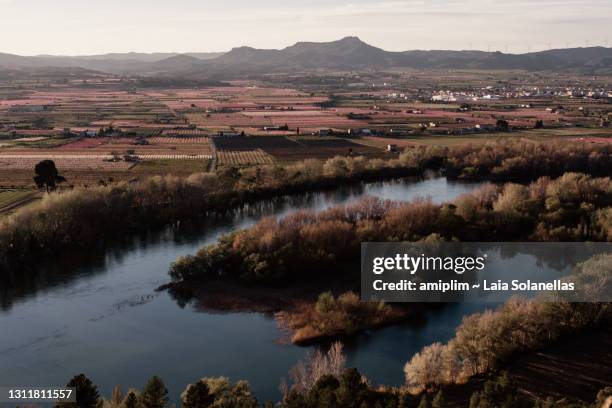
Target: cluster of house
{"x": 493, "y": 93}
{"x": 448, "y": 96}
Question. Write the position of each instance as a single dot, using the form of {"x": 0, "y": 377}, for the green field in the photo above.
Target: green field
{"x": 452, "y": 140}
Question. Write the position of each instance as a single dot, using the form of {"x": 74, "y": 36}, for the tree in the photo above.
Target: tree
{"x": 131, "y": 400}
{"x": 438, "y": 401}
{"x": 47, "y": 175}
{"x": 475, "y": 400}
{"x": 604, "y": 396}
{"x": 323, "y": 392}
{"x": 86, "y": 392}
{"x": 424, "y": 402}
{"x": 198, "y": 395}
{"x": 306, "y": 373}
{"x": 502, "y": 125}
{"x": 427, "y": 368}
{"x": 154, "y": 394}
{"x": 352, "y": 390}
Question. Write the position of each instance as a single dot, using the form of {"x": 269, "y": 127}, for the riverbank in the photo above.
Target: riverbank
{"x": 308, "y": 312}
{"x": 573, "y": 207}
{"x": 571, "y": 379}
{"x": 575, "y": 368}
{"x": 102, "y": 306}
{"x": 325, "y": 246}
{"x": 486, "y": 341}
{"x": 84, "y": 218}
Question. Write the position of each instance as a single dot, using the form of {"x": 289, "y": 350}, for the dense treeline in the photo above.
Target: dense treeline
{"x": 208, "y": 392}
{"x": 331, "y": 385}
{"x": 485, "y": 340}
{"x": 86, "y": 217}
{"x": 574, "y": 207}
{"x": 524, "y": 161}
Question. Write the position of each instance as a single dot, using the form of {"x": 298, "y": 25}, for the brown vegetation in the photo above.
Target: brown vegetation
{"x": 485, "y": 340}
{"x": 339, "y": 316}
{"x": 81, "y": 218}
{"x": 570, "y": 208}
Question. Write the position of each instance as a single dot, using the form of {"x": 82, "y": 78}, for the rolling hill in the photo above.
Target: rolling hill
{"x": 349, "y": 53}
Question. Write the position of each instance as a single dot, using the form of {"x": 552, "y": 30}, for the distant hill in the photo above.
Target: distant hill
{"x": 175, "y": 63}
{"x": 117, "y": 63}
{"x": 352, "y": 53}
{"x": 349, "y": 53}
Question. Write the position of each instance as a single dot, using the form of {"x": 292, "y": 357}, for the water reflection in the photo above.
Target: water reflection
{"x": 97, "y": 311}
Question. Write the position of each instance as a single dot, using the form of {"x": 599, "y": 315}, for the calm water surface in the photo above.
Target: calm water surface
{"x": 101, "y": 315}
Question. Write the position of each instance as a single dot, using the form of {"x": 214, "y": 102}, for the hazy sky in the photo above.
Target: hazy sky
{"x": 29, "y": 27}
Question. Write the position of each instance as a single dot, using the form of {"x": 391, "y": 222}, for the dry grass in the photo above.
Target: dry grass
{"x": 13, "y": 199}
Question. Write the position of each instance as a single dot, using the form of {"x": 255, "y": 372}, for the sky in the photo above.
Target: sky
{"x": 83, "y": 27}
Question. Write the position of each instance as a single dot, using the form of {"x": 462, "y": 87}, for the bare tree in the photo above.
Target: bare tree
{"x": 306, "y": 373}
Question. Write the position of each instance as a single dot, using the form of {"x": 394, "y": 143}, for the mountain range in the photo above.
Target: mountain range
{"x": 349, "y": 53}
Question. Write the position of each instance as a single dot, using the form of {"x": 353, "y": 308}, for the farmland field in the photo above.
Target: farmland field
{"x": 12, "y": 199}
{"x": 288, "y": 149}
{"x": 89, "y": 131}
{"x": 243, "y": 157}
{"x": 261, "y": 234}
{"x": 88, "y": 170}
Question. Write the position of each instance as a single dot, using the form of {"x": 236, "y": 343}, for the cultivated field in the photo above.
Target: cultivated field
{"x": 243, "y": 157}
{"x": 11, "y": 199}
{"x": 288, "y": 149}
{"x": 110, "y": 131}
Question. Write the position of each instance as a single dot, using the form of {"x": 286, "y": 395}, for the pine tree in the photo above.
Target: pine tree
{"x": 86, "y": 392}
{"x": 154, "y": 394}
{"x": 130, "y": 401}
{"x": 475, "y": 400}
{"x": 198, "y": 396}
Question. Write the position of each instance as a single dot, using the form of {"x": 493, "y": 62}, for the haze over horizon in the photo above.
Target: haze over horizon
{"x": 71, "y": 27}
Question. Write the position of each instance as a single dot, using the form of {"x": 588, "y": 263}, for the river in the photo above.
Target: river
{"x": 101, "y": 315}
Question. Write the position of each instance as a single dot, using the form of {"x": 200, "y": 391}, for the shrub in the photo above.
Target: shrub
{"x": 574, "y": 207}
{"x": 337, "y": 316}
{"x": 81, "y": 218}
{"x": 484, "y": 340}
